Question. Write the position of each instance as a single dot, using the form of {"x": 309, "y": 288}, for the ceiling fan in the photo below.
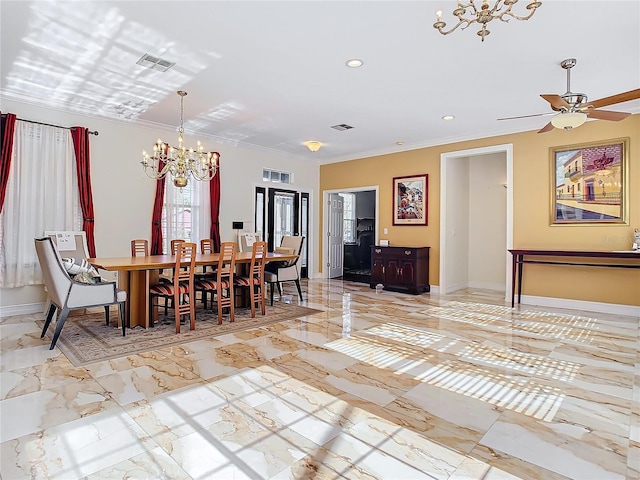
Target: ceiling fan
{"x": 573, "y": 109}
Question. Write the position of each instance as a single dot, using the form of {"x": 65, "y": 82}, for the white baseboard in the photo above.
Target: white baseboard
{"x": 454, "y": 287}
{"x": 613, "y": 308}
{"x": 499, "y": 287}
{"x": 24, "y": 309}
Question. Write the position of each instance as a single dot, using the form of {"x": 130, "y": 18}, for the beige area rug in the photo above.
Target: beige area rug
{"x": 86, "y": 339}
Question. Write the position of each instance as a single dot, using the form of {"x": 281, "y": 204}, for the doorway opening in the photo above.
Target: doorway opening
{"x": 350, "y": 219}
{"x": 280, "y": 212}
{"x": 476, "y": 221}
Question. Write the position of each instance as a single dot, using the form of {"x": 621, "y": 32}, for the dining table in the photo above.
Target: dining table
{"x": 135, "y": 275}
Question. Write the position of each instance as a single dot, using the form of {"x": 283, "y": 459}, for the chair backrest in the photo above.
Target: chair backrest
{"x": 294, "y": 242}
{"x": 258, "y": 260}
{"x": 206, "y": 245}
{"x": 174, "y": 246}
{"x": 185, "y": 262}
{"x": 56, "y": 278}
{"x": 246, "y": 240}
{"x": 227, "y": 261}
{"x": 139, "y": 247}
{"x": 70, "y": 244}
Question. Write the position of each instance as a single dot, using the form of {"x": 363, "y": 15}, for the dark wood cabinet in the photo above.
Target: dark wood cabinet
{"x": 400, "y": 269}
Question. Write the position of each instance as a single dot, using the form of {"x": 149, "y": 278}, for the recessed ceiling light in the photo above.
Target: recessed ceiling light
{"x": 399, "y": 143}
{"x": 448, "y": 117}
{"x": 354, "y": 63}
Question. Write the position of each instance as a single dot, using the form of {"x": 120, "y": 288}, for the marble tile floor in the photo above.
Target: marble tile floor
{"x": 377, "y": 386}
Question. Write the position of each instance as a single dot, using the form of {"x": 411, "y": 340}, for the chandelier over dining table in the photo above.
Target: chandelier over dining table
{"x": 180, "y": 162}
{"x": 467, "y": 13}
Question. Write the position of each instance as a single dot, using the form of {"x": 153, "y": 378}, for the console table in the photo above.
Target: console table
{"x": 625, "y": 259}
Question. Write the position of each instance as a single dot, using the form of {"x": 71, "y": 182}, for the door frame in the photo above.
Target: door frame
{"x": 507, "y": 149}
{"x": 325, "y": 220}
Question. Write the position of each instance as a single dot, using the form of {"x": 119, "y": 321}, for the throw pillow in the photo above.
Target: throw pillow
{"x": 75, "y": 266}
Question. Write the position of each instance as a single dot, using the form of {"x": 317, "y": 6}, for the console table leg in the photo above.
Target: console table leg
{"x": 513, "y": 279}
{"x": 520, "y": 268}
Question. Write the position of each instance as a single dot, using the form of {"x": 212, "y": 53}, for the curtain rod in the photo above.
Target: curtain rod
{"x": 94, "y": 132}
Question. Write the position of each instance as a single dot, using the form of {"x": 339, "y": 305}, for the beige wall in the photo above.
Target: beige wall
{"x": 532, "y": 189}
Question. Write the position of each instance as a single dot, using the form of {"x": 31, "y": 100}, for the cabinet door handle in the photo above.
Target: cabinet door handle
{"x": 407, "y": 252}
{"x": 377, "y": 250}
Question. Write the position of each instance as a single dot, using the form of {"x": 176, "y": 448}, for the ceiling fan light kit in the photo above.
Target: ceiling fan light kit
{"x": 569, "y": 120}
{"x": 501, "y": 10}
{"x": 574, "y": 108}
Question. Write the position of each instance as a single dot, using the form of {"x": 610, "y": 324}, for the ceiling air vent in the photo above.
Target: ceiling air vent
{"x": 342, "y": 127}
{"x": 155, "y": 63}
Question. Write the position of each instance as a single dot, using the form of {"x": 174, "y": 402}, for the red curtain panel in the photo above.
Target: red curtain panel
{"x": 156, "y": 217}
{"x": 80, "y": 137}
{"x": 8, "y": 127}
{"x": 214, "y": 196}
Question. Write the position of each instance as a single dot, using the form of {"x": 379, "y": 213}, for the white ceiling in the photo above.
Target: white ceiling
{"x": 272, "y": 74}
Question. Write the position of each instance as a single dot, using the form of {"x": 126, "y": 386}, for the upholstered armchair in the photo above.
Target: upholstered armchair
{"x": 66, "y": 294}
{"x": 288, "y": 271}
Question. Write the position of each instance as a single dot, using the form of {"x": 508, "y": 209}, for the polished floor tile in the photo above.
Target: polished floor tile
{"x": 376, "y": 386}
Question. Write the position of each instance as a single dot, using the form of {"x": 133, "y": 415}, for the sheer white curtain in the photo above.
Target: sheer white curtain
{"x": 42, "y": 194}
{"x": 187, "y": 212}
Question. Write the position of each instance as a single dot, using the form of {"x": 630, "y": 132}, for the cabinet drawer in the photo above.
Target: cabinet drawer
{"x": 406, "y": 253}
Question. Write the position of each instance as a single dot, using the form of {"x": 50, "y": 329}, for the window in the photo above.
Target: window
{"x": 42, "y": 194}
{"x": 349, "y": 217}
{"x": 186, "y": 213}
{"x": 275, "y": 176}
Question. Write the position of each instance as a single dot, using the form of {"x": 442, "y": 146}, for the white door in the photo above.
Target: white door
{"x": 335, "y": 240}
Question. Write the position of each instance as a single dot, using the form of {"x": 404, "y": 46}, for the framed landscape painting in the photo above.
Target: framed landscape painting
{"x": 410, "y": 200}
{"x": 589, "y": 183}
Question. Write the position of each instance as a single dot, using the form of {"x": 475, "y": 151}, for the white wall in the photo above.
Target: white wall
{"x": 487, "y": 221}
{"x": 123, "y": 194}
{"x": 457, "y": 229}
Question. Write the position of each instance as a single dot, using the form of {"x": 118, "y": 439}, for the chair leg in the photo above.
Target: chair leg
{"x": 262, "y": 299}
{"x": 299, "y": 289}
{"x": 61, "y": 319}
{"x": 271, "y": 293}
{"x": 279, "y": 290}
{"x": 106, "y": 315}
{"x": 50, "y": 313}
{"x": 123, "y": 310}
{"x": 232, "y": 304}
{"x": 176, "y": 307}
{"x": 253, "y": 301}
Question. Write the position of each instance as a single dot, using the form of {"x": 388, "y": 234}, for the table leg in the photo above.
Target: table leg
{"x": 138, "y": 298}
{"x": 520, "y": 268}
{"x": 513, "y": 278}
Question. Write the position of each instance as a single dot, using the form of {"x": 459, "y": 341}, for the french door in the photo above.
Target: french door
{"x": 281, "y": 212}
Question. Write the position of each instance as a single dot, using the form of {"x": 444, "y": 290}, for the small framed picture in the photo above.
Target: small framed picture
{"x": 410, "y": 196}
{"x": 589, "y": 183}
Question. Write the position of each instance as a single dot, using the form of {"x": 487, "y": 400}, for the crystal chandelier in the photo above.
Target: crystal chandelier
{"x": 180, "y": 162}
{"x": 482, "y": 16}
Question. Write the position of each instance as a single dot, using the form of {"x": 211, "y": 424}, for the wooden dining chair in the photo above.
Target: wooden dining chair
{"x": 206, "y": 271}
{"x": 254, "y": 281}
{"x": 139, "y": 247}
{"x": 182, "y": 289}
{"x": 221, "y": 286}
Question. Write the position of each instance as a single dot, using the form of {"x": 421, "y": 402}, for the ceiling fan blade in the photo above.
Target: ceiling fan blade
{"x": 528, "y": 116}
{"x": 619, "y": 98}
{"x": 607, "y": 115}
{"x": 546, "y": 128}
{"x": 556, "y": 101}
